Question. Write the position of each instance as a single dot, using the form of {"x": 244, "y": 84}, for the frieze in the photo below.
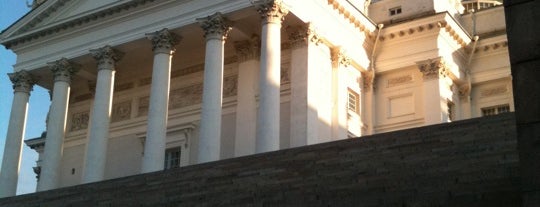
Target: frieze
{"x": 186, "y": 96}
{"x": 144, "y": 103}
{"x": 79, "y": 121}
{"x": 230, "y": 86}
{"x": 285, "y": 73}
{"x": 502, "y": 89}
{"x": 121, "y": 111}
{"x": 399, "y": 80}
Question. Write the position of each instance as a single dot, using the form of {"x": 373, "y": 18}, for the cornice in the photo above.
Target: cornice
{"x": 360, "y": 24}
{"x": 440, "y": 21}
{"x": 61, "y": 26}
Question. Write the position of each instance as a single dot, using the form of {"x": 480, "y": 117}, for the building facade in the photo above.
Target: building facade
{"x": 146, "y": 85}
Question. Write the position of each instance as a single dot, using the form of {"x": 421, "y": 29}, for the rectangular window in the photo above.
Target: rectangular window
{"x": 395, "y": 11}
{"x": 352, "y": 102}
{"x": 172, "y": 158}
{"x": 494, "y": 110}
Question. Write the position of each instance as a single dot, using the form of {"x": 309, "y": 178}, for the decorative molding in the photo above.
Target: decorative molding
{"x": 163, "y": 41}
{"x": 121, "y": 111}
{"x": 285, "y": 73}
{"x": 123, "y": 87}
{"x": 63, "y": 69}
{"x": 248, "y": 49}
{"x": 399, "y": 80}
{"x": 493, "y": 91}
{"x": 336, "y": 5}
{"x": 301, "y": 36}
{"x": 271, "y": 11}
{"x": 186, "y": 96}
{"x": 106, "y": 57}
{"x": 144, "y": 103}
{"x": 22, "y": 81}
{"x": 230, "y": 86}
{"x": 339, "y": 58}
{"x": 368, "y": 81}
{"x": 215, "y": 26}
{"x": 79, "y": 121}
{"x": 489, "y": 47}
{"x": 97, "y": 16}
{"x": 433, "y": 68}
{"x": 423, "y": 28}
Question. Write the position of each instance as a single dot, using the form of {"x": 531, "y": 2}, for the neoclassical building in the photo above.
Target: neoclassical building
{"x": 145, "y": 85}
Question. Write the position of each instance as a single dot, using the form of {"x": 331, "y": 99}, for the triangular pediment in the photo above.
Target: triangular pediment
{"x": 55, "y": 12}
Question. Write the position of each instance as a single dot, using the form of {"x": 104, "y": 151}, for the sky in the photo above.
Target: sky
{"x": 10, "y": 12}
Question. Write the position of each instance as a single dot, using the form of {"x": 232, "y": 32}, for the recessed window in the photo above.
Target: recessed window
{"x": 352, "y": 102}
{"x": 395, "y": 11}
{"x": 494, "y": 110}
{"x": 172, "y": 158}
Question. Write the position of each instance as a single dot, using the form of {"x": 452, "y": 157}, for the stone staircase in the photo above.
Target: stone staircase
{"x": 465, "y": 163}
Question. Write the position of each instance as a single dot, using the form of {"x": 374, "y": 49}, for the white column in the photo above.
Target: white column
{"x": 215, "y": 29}
{"x": 248, "y": 53}
{"x": 339, "y": 118}
{"x": 304, "y": 82}
{"x": 23, "y": 83}
{"x": 434, "y": 71}
{"x": 163, "y": 43}
{"x": 63, "y": 71}
{"x": 273, "y": 12}
{"x": 96, "y": 149}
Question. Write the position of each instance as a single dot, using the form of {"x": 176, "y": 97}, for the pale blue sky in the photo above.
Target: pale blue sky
{"x": 11, "y": 11}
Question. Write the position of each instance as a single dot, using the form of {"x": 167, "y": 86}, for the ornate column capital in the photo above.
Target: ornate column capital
{"x": 368, "y": 79}
{"x": 106, "y": 57}
{"x": 22, "y": 81}
{"x": 433, "y": 68}
{"x": 215, "y": 26}
{"x": 63, "y": 69}
{"x": 300, "y": 36}
{"x": 272, "y": 11}
{"x": 339, "y": 57}
{"x": 163, "y": 41}
{"x": 248, "y": 49}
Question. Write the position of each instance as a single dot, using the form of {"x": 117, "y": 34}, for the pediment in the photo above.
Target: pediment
{"x": 55, "y": 12}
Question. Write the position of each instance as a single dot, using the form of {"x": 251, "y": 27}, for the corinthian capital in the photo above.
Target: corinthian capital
{"x": 106, "y": 57}
{"x": 248, "y": 49}
{"x": 63, "y": 69}
{"x": 300, "y": 36}
{"x": 163, "y": 41}
{"x": 433, "y": 68}
{"x": 272, "y": 11}
{"x": 339, "y": 57}
{"x": 22, "y": 81}
{"x": 215, "y": 26}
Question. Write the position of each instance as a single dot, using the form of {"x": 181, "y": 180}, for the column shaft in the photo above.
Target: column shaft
{"x": 15, "y": 133}
{"x": 154, "y": 145}
{"x": 56, "y": 128}
{"x": 96, "y": 150}
{"x": 339, "y": 121}
{"x": 272, "y": 13}
{"x": 216, "y": 29}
